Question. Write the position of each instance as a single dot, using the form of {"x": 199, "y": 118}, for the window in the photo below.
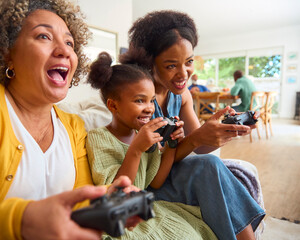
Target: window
{"x": 265, "y": 66}
{"x": 227, "y": 66}
{"x": 266, "y": 71}
{"x": 208, "y": 71}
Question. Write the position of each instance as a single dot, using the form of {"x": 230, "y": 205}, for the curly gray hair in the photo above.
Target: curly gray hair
{"x": 12, "y": 15}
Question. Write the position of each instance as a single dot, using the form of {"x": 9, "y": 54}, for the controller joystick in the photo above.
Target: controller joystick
{"x": 165, "y": 132}
{"x": 245, "y": 118}
{"x": 119, "y": 193}
{"x": 109, "y": 213}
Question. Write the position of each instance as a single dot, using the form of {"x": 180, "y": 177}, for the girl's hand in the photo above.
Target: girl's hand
{"x": 179, "y": 132}
{"x": 147, "y": 136}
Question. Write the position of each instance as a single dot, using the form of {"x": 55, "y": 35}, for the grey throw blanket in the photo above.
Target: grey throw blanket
{"x": 251, "y": 183}
{"x": 245, "y": 176}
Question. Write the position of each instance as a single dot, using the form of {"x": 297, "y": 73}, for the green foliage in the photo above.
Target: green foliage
{"x": 209, "y": 70}
{"x": 275, "y": 108}
{"x": 267, "y": 66}
{"x": 260, "y": 67}
{"x": 227, "y": 66}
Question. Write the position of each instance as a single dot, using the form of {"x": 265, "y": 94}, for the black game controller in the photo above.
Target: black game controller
{"x": 165, "y": 132}
{"x": 245, "y": 118}
{"x": 109, "y": 213}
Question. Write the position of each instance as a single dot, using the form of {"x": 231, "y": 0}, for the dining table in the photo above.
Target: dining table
{"x": 225, "y": 98}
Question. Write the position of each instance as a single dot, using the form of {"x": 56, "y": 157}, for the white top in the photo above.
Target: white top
{"x": 40, "y": 175}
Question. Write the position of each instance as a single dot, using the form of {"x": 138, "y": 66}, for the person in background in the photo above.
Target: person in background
{"x": 163, "y": 42}
{"x": 43, "y": 161}
{"x": 243, "y": 88}
{"x": 197, "y": 87}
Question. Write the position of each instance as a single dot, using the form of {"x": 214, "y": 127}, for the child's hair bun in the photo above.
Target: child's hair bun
{"x": 136, "y": 56}
{"x": 100, "y": 71}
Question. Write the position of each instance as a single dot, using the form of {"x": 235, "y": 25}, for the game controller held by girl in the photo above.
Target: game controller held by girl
{"x": 165, "y": 132}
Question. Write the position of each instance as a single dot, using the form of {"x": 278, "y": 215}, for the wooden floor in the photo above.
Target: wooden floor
{"x": 278, "y": 163}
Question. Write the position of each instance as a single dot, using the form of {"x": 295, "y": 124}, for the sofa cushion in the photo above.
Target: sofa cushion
{"x": 92, "y": 111}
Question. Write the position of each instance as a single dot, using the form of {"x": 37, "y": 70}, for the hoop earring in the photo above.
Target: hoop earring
{"x": 10, "y": 73}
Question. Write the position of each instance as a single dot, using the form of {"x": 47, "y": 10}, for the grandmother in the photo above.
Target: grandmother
{"x": 42, "y": 149}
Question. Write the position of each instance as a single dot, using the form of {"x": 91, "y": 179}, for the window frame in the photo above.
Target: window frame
{"x": 278, "y": 50}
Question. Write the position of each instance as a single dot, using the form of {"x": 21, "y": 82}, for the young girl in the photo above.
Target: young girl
{"x": 119, "y": 149}
{"x": 129, "y": 94}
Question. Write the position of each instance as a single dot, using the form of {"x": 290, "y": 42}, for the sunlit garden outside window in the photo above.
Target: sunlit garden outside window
{"x": 265, "y": 67}
{"x": 217, "y": 72}
{"x": 208, "y": 71}
{"x": 266, "y": 71}
{"x": 227, "y": 66}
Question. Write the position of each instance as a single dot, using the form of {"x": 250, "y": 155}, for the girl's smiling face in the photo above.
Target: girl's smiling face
{"x": 173, "y": 67}
{"x": 136, "y": 104}
{"x": 43, "y": 58}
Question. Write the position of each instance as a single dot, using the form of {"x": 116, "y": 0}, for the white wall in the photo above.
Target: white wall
{"x": 287, "y": 37}
{"x": 112, "y": 15}
{"x": 118, "y": 15}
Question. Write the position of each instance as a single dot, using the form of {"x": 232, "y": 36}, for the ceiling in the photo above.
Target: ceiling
{"x": 216, "y": 18}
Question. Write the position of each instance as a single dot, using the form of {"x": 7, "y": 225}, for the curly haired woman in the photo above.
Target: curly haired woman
{"x": 42, "y": 149}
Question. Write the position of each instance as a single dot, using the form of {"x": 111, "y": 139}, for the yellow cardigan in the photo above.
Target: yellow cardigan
{"x": 11, "y": 210}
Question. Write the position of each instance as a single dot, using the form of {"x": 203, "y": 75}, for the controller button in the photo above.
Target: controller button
{"x": 103, "y": 199}
{"x": 119, "y": 193}
{"x": 150, "y": 199}
{"x": 116, "y": 213}
{"x": 133, "y": 208}
{"x": 94, "y": 201}
{"x": 133, "y": 193}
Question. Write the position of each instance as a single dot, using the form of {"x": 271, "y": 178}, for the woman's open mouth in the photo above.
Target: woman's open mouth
{"x": 58, "y": 74}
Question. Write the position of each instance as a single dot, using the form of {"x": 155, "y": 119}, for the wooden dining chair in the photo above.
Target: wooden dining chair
{"x": 207, "y": 103}
{"x": 267, "y": 117}
{"x": 258, "y": 101}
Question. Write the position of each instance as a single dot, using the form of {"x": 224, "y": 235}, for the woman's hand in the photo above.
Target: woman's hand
{"x": 125, "y": 182}
{"x": 253, "y": 126}
{"x": 216, "y": 134}
{"x": 50, "y": 218}
{"x": 179, "y": 132}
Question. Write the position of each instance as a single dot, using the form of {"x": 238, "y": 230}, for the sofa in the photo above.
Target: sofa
{"x": 94, "y": 113}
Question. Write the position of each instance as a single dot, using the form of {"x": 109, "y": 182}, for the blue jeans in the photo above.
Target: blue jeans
{"x": 203, "y": 180}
